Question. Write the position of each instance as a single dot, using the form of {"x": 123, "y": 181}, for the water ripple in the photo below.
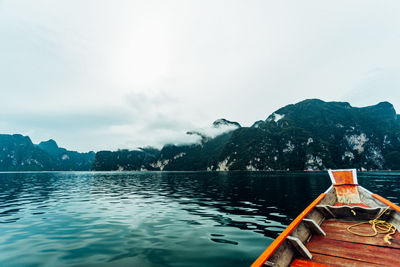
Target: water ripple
{"x": 154, "y": 219}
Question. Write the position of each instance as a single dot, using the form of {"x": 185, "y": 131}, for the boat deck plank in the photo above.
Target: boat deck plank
{"x": 337, "y": 230}
{"x": 341, "y": 248}
{"x": 325, "y": 260}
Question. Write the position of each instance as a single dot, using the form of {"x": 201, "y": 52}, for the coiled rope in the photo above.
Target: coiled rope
{"x": 378, "y": 226}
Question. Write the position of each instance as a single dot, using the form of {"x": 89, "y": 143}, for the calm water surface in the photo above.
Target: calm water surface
{"x": 154, "y": 219}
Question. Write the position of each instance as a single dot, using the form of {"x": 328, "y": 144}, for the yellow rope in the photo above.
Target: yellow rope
{"x": 378, "y": 226}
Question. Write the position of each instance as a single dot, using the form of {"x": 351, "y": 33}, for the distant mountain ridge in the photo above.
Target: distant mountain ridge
{"x": 309, "y": 135}
{"x": 65, "y": 159}
{"x": 316, "y": 135}
{"x": 18, "y": 153}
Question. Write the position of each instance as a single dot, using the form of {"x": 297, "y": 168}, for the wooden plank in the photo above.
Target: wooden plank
{"x": 341, "y": 177}
{"x": 285, "y": 252}
{"x": 278, "y": 241}
{"x": 326, "y": 260}
{"x": 299, "y": 246}
{"x": 347, "y": 193}
{"x": 269, "y": 264}
{"x": 345, "y": 183}
{"x": 330, "y": 198}
{"x": 324, "y": 209}
{"x": 367, "y": 199}
{"x": 315, "y": 228}
{"x": 283, "y": 255}
{"x": 355, "y": 251}
{"x": 395, "y": 220}
{"x": 306, "y": 263}
{"x": 337, "y": 230}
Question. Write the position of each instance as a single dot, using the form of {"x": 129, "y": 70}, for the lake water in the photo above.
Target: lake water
{"x": 153, "y": 218}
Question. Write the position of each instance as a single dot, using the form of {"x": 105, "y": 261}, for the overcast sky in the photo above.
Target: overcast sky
{"x": 105, "y": 74}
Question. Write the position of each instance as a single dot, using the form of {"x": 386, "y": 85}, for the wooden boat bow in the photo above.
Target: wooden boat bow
{"x": 318, "y": 235}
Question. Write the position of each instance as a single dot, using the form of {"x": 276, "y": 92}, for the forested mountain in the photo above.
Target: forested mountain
{"x": 309, "y": 135}
{"x": 18, "y": 153}
{"x": 65, "y": 159}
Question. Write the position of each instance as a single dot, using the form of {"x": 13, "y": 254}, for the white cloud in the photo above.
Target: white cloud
{"x": 132, "y": 73}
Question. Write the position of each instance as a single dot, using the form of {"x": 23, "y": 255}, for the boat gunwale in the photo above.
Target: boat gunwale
{"x": 386, "y": 202}
{"x": 292, "y": 226}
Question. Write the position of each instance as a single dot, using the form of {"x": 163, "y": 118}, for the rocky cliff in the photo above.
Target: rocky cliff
{"x": 309, "y": 135}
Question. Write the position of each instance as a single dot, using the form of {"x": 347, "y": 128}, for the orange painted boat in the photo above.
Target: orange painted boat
{"x": 345, "y": 226}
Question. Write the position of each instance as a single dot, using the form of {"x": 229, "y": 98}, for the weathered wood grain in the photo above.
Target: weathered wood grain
{"x": 325, "y": 260}
{"x": 355, "y": 251}
{"x": 307, "y": 263}
{"x": 337, "y": 230}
